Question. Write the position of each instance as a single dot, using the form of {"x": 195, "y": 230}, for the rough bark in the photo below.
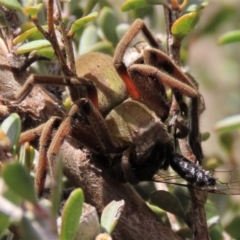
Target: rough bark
{"x": 100, "y": 188}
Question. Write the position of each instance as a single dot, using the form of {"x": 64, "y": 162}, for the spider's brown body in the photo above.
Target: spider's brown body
{"x": 132, "y": 131}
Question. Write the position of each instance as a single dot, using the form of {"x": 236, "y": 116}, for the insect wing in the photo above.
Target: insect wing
{"x": 228, "y": 181}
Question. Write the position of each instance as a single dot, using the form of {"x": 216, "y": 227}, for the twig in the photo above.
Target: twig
{"x": 137, "y": 220}
{"x": 196, "y": 213}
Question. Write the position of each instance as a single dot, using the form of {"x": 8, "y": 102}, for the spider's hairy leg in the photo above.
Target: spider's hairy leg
{"x": 163, "y": 62}
{"x": 194, "y": 137}
{"x": 44, "y": 132}
{"x": 100, "y": 128}
{"x": 95, "y": 137}
{"x": 45, "y": 141}
{"x": 31, "y": 135}
{"x": 52, "y": 80}
{"x": 120, "y": 50}
{"x": 144, "y": 75}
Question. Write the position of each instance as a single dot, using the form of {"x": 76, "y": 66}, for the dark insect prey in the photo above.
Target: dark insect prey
{"x": 226, "y": 182}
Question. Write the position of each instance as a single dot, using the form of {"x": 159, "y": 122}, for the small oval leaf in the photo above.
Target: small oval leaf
{"x": 102, "y": 46}
{"x": 19, "y": 181}
{"x": 47, "y": 52}
{"x": 5, "y": 142}
{"x": 4, "y": 223}
{"x": 12, "y": 127}
{"x": 31, "y": 33}
{"x": 110, "y": 215}
{"x": 78, "y": 24}
{"x": 89, "y": 226}
{"x": 12, "y": 4}
{"x": 33, "y": 45}
{"x": 26, "y": 155}
{"x": 88, "y": 39}
{"x": 184, "y": 25}
{"x": 90, "y": 5}
{"x": 168, "y": 202}
{"x": 134, "y": 4}
{"x": 205, "y": 136}
{"x": 33, "y": 10}
{"x": 10, "y": 210}
{"x": 71, "y": 214}
{"x": 36, "y": 228}
{"x": 228, "y": 124}
{"x": 108, "y": 23}
{"x": 229, "y": 37}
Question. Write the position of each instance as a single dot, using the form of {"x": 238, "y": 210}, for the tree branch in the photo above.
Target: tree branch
{"x": 196, "y": 213}
{"x": 137, "y": 220}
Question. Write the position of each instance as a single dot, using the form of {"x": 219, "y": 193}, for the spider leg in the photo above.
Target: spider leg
{"x": 144, "y": 75}
{"x": 162, "y": 61}
{"x": 100, "y": 128}
{"x": 180, "y": 129}
{"x": 45, "y": 141}
{"x": 84, "y": 86}
{"x": 124, "y": 43}
{"x": 31, "y": 135}
{"x": 44, "y": 132}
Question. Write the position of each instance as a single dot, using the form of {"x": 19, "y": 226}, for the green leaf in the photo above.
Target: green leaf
{"x": 168, "y": 202}
{"x": 229, "y": 37}
{"x": 102, "y": 46}
{"x": 108, "y": 23}
{"x": 19, "y": 181}
{"x": 205, "y": 136}
{"x": 227, "y": 141}
{"x": 89, "y": 226}
{"x": 4, "y": 223}
{"x": 212, "y": 222}
{"x": 111, "y": 214}
{"x": 80, "y": 23}
{"x": 12, "y": 4}
{"x": 9, "y": 210}
{"x": 12, "y": 196}
{"x": 157, "y": 2}
{"x": 184, "y": 25}
{"x": 71, "y": 214}
{"x": 5, "y": 142}
{"x": 33, "y": 227}
{"x": 47, "y": 52}
{"x": 28, "y": 231}
{"x": 233, "y": 227}
{"x": 134, "y": 4}
{"x": 33, "y": 10}
{"x": 26, "y": 156}
{"x": 90, "y": 5}
{"x": 217, "y": 232}
{"x": 34, "y": 45}
{"x": 31, "y": 33}
{"x": 228, "y": 124}
{"x": 12, "y": 127}
{"x": 88, "y": 39}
